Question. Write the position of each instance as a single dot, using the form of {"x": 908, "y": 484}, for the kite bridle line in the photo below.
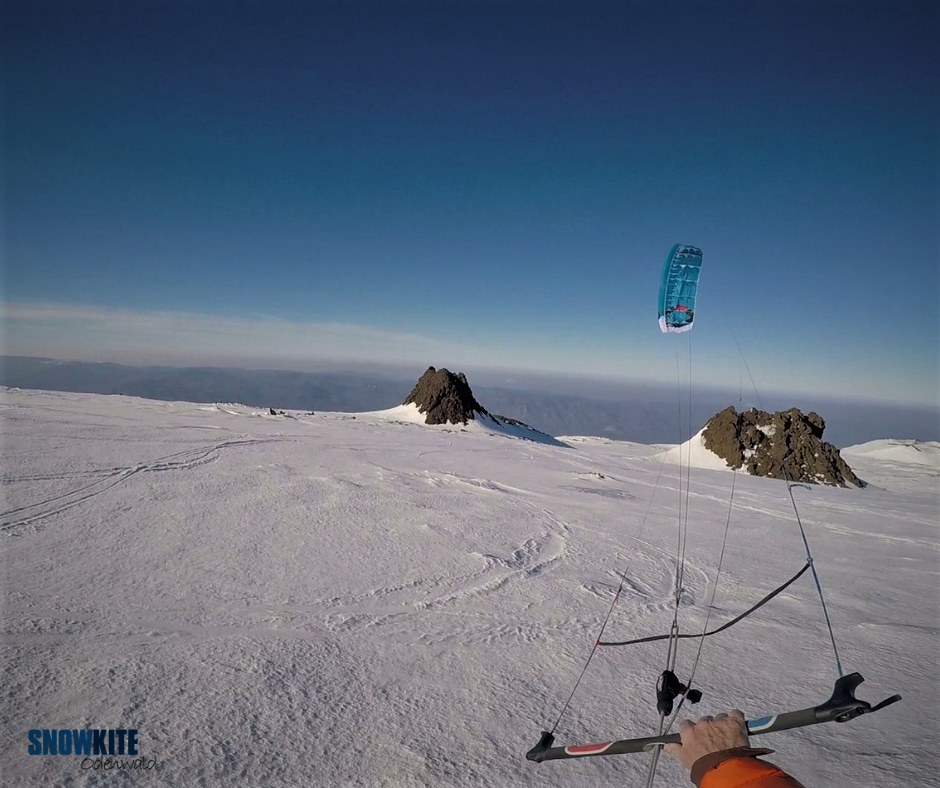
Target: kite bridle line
{"x": 668, "y": 687}
{"x": 799, "y": 521}
{"x": 623, "y": 576}
{"x": 610, "y": 610}
{"x": 687, "y": 691}
{"x": 842, "y": 706}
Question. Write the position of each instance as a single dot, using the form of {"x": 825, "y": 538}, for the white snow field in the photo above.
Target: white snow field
{"x": 693, "y": 453}
{"x": 899, "y": 451}
{"x": 337, "y": 600}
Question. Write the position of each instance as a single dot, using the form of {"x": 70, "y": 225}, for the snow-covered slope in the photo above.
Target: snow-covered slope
{"x": 693, "y": 453}
{"x": 339, "y": 600}
{"x": 481, "y": 423}
{"x": 902, "y": 451}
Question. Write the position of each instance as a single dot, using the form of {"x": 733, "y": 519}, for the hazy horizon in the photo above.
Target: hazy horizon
{"x": 644, "y": 412}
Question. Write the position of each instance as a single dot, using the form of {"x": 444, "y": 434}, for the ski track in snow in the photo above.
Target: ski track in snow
{"x": 410, "y": 606}
{"x": 29, "y": 514}
{"x": 532, "y": 558}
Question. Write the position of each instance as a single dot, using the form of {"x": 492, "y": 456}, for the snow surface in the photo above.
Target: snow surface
{"x": 481, "y": 423}
{"x": 903, "y": 451}
{"x": 359, "y": 600}
{"x": 693, "y": 454}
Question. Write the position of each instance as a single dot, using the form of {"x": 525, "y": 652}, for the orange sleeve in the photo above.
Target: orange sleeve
{"x": 747, "y": 773}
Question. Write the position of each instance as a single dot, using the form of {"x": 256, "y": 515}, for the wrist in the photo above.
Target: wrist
{"x": 714, "y": 759}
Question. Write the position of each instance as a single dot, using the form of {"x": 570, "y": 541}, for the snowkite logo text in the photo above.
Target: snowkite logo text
{"x": 83, "y": 742}
{"x": 123, "y": 741}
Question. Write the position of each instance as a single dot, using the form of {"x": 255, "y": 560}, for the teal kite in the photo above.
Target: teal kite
{"x": 678, "y": 288}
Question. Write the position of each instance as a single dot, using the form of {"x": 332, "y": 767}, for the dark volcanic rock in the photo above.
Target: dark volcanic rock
{"x": 444, "y": 397}
{"x": 786, "y": 444}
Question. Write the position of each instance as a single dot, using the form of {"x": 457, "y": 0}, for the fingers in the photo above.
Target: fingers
{"x": 735, "y": 714}
{"x": 673, "y": 750}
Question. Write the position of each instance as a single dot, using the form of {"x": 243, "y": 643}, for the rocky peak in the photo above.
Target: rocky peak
{"x": 785, "y": 444}
{"x": 444, "y": 397}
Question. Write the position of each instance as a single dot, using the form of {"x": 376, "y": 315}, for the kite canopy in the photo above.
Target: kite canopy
{"x": 678, "y": 288}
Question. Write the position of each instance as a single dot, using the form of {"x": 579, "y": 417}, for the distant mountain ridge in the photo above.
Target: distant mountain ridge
{"x": 642, "y": 412}
{"x": 333, "y": 391}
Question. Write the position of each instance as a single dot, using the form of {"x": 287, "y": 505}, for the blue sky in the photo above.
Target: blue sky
{"x": 479, "y": 184}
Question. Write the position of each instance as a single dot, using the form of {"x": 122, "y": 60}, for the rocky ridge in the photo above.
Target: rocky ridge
{"x": 785, "y": 444}
{"x": 445, "y": 398}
